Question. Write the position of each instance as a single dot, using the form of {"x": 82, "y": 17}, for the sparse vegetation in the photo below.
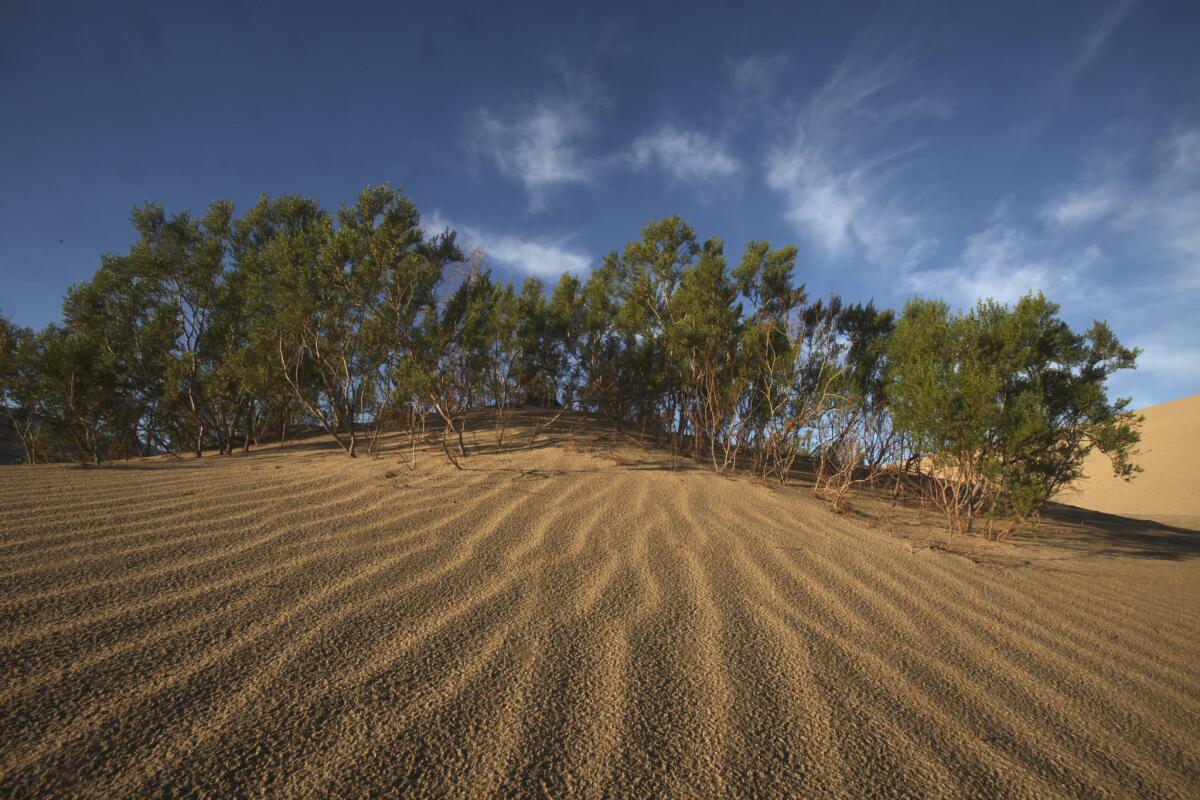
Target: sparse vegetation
{"x": 212, "y": 331}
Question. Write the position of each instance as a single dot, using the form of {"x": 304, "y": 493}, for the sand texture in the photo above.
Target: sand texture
{"x": 1168, "y": 490}
{"x": 569, "y": 620}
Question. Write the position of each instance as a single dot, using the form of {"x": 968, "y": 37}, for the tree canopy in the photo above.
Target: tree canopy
{"x": 215, "y": 332}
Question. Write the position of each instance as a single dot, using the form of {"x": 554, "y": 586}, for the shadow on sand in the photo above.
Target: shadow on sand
{"x": 1092, "y": 533}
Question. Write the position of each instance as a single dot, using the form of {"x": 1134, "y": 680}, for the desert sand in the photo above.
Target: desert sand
{"x": 1168, "y": 489}
{"x": 573, "y": 619}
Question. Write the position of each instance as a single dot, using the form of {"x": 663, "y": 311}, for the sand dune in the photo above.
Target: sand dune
{"x": 1168, "y": 490}
{"x": 568, "y": 621}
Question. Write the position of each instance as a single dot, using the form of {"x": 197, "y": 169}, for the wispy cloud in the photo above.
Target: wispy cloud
{"x": 544, "y": 258}
{"x": 1002, "y": 262}
{"x": 1156, "y": 317}
{"x": 1143, "y": 204}
{"x": 1182, "y": 150}
{"x": 838, "y": 189}
{"x": 541, "y": 144}
{"x": 753, "y": 77}
{"x": 1082, "y": 206}
{"x": 1093, "y": 43}
{"x": 1154, "y": 201}
{"x": 1050, "y": 97}
{"x": 684, "y": 154}
{"x": 1170, "y": 205}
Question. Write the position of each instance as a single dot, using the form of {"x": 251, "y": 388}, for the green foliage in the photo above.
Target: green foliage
{"x": 1007, "y": 401}
{"x": 764, "y": 276}
{"x": 20, "y": 394}
{"x": 215, "y": 331}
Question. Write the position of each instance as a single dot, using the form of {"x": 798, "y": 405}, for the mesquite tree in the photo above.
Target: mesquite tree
{"x": 336, "y": 294}
{"x": 1003, "y": 404}
{"x": 215, "y": 331}
{"x": 21, "y": 398}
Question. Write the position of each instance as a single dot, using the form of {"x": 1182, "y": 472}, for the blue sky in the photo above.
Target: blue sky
{"x": 956, "y": 150}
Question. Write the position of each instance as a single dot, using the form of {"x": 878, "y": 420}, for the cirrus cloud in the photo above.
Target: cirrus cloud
{"x": 684, "y": 154}
{"x": 538, "y": 256}
{"x": 839, "y": 189}
{"x": 541, "y": 144}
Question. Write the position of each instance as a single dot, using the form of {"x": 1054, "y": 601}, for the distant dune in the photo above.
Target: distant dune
{"x": 1168, "y": 491}
{"x": 571, "y": 619}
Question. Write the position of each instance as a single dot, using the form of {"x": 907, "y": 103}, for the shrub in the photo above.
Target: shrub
{"x": 1002, "y": 405}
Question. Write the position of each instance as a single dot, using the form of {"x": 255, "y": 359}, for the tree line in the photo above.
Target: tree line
{"x": 218, "y": 332}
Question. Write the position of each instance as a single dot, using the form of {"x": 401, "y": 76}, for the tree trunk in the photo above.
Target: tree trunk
{"x": 350, "y": 427}
{"x": 446, "y": 450}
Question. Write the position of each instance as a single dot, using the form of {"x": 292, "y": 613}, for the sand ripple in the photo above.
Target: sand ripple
{"x": 562, "y": 623}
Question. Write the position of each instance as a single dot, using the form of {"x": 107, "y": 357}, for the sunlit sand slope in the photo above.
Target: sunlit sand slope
{"x": 1168, "y": 490}
{"x": 551, "y": 621}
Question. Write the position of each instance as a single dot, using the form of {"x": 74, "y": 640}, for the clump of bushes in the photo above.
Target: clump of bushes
{"x": 999, "y": 406}
{"x": 216, "y": 332}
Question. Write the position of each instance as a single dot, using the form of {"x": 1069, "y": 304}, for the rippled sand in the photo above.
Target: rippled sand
{"x": 564, "y": 621}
